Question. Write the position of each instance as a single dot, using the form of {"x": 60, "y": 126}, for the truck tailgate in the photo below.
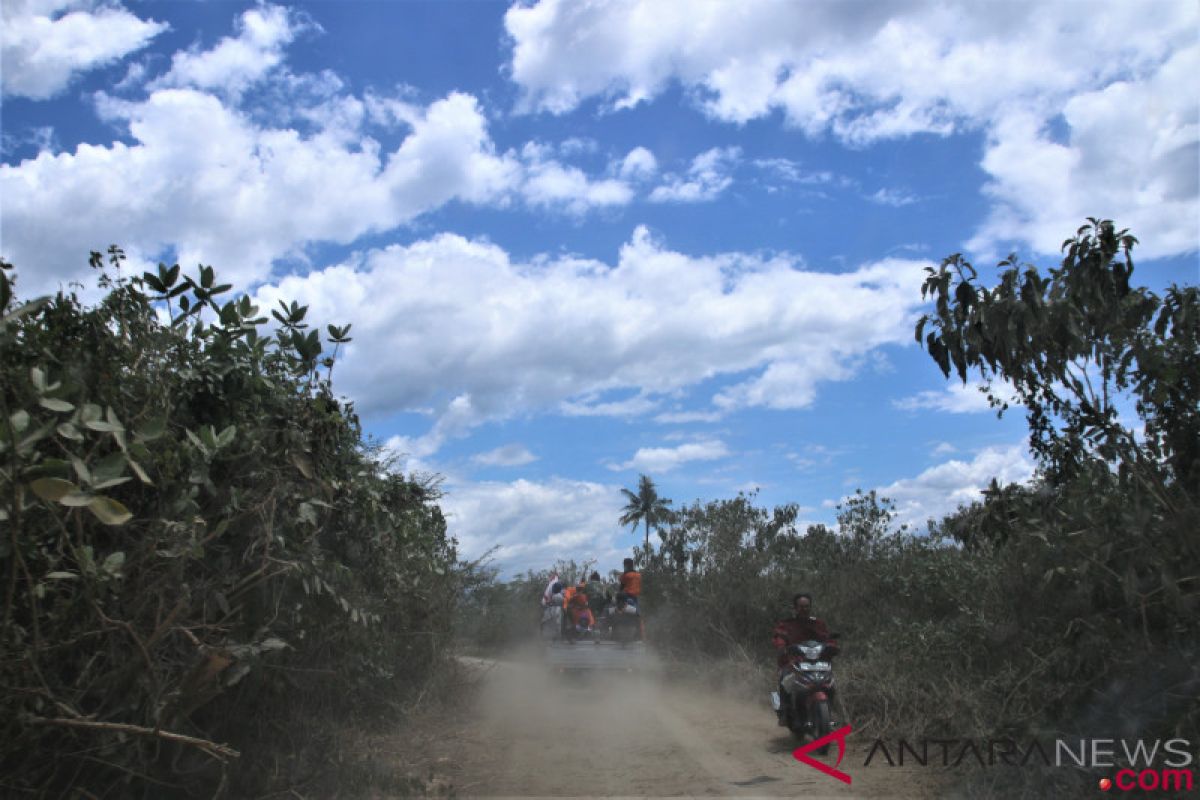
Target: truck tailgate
{"x": 587, "y": 655}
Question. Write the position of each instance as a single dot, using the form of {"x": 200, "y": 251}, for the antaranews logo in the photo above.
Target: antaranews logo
{"x": 801, "y": 753}
{"x": 1141, "y": 766}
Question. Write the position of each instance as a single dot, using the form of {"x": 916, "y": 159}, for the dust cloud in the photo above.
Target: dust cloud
{"x": 536, "y": 733}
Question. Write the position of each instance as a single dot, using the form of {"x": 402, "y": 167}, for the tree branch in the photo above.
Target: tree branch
{"x": 218, "y": 751}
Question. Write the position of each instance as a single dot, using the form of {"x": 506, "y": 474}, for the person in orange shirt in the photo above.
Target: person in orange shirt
{"x": 582, "y": 620}
{"x": 631, "y": 583}
{"x": 567, "y": 594}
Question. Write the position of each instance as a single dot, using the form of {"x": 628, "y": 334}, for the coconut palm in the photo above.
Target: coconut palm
{"x": 645, "y": 506}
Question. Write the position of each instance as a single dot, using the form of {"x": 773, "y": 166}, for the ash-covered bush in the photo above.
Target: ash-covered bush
{"x": 202, "y": 562}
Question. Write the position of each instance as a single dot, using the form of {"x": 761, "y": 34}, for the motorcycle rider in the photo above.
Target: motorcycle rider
{"x": 801, "y": 627}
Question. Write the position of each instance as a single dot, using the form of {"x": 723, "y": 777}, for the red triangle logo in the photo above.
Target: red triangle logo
{"x": 801, "y": 753}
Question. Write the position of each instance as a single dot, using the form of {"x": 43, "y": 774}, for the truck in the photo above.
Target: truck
{"x": 616, "y": 644}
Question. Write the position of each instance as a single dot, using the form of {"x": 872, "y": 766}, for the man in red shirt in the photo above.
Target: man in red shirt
{"x": 801, "y": 627}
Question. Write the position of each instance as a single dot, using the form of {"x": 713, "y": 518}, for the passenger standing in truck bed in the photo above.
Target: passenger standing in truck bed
{"x": 631, "y": 583}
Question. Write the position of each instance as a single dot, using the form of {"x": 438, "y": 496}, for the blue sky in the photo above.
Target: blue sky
{"x": 583, "y": 241}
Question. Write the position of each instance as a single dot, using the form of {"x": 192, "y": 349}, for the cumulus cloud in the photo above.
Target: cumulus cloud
{"x": 707, "y": 177}
{"x": 45, "y": 44}
{"x": 203, "y": 177}
{"x": 456, "y": 325}
{"x": 957, "y": 398}
{"x": 874, "y": 71}
{"x": 533, "y": 524}
{"x": 1133, "y": 155}
{"x": 509, "y": 455}
{"x": 204, "y": 171}
{"x": 639, "y": 163}
{"x": 237, "y": 62}
{"x": 552, "y": 185}
{"x": 941, "y": 489}
{"x": 665, "y": 459}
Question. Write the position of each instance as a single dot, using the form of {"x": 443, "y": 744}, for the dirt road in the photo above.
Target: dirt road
{"x": 638, "y": 736}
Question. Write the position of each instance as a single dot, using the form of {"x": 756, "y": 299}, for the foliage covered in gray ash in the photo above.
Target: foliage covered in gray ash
{"x": 1068, "y": 606}
{"x": 204, "y": 569}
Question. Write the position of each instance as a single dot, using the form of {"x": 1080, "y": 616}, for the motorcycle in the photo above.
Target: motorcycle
{"x": 803, "y": 704}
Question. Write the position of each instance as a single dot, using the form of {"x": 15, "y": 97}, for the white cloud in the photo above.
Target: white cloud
{"x": 639, "y": 163}
{"x": 534, "y": 524}
{"x": 1132, "y": 155}
{"x": 509, "y": 455}
{"x": 939, "y": 490}
{"x": 590, "y": 407}
{"x": 664, "y": 459}
{"x": 706, "y": 178}
{"x": 868, "y": 72}
{"x": 793, "y": 172}
{"x": 451, "y": 322}
{"x": 203, "y": 177}
{"x": 45, "y": 44}
{"x": 681, "y": 417}
{"x": 236, "y": 63}
{"x": 895, "y": 198}
{"x": 551, "y": 185}
{"x": 957, "y": 398}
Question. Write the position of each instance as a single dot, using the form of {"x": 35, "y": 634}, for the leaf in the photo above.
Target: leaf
{"x": 77, "y": 499}
{"x": 109, "y": 511}
{"x": 19, "y": 421}
{"x": 68, "y": 431}
{"x": 225, "y": 437}
{"x": 273, "y": 643}
{"x": 102, "y": 426}
{"x": 61, "y": 576}
{"x": 141, "y": 473}
{"x": 196, "y": 441}
{"x": 303, "y": 464}
{"x": 109, "y": 467}
{"x": 23, "y": 310}
{"x": 152, "y": 428}
{"x": 112, "y": 482}
{"x": 114, "y": 562}
{"x": 38, "y": 378}
{"x": 55, "y": 405}
{"x": 81, "y": 469}
{"x": 52, "y": 489}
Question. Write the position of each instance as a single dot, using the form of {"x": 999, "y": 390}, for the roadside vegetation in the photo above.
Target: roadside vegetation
{"x": 206, "y": 572}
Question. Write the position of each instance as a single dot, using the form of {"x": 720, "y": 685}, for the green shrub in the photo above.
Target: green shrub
{"x": 199, "y": 549}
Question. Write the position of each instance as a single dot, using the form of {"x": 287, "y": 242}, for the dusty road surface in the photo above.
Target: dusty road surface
{"x": 538, "y": 735}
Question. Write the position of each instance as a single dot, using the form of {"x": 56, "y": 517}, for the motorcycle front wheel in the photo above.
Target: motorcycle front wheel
{"x": 821, "y": 722}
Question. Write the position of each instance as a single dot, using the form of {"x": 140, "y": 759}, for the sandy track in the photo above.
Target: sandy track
{"x": 538, "y": 735}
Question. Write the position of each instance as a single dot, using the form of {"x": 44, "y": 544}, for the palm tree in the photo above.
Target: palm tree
{"x": 645, "y": 506}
